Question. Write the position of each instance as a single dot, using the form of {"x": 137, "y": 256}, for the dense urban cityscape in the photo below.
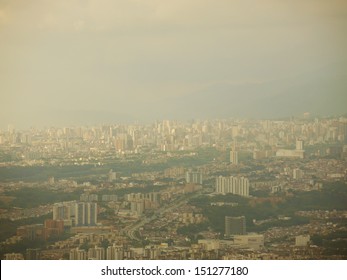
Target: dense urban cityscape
{"x": 199, "y": 189}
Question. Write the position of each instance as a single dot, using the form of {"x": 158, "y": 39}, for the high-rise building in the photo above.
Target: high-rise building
{"x": 31, "y": 232}
{"x": 53, "y": 228}
{"x": 152, "y": 196}
{"x": 234, "y": 157}
{"x": 234, "y": 185}
{"x": 299, "y": 145}
{"x": 80, "y": 214}
{"x": 88, "y": 197}
{"x": 112, "y": 176}
{"x": 85, "y": 214}
{"x": 299, "y": 151}
{"x": 297, "y": 173}
{"x": 235, "y": 226}
{"x": 138, "y": 206}
{"x": 109, "y": 197}
{"x": 33, "y": 254}
{"x": 114, "y": 252}
{"x": 78, "y": 254}
{"x": 64, "y": 211}
{"x": 51, "y": 180}
{"x": 302, "y": 240}
{"x": 13, "y": 256}
{"x": 194, "y": 177}
{"x": 61, "y": 211}
{"x": 96, "y": 253}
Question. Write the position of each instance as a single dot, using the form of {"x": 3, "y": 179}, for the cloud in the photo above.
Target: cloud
{"x": 3, "y": 17}
{"x": 97, "y": 53}
{"x": 79, "y": 24}
{"x": 110, "y": 14}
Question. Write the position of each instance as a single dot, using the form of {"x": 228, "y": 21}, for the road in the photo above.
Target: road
{"x": 131, "y": 230}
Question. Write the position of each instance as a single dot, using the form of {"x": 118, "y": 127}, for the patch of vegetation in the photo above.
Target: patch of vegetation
{"x": 193, "y": 229}
{"x": 332, "y": 196}
{"x": 9, "y": 228}
{"x": 32, "y": 197}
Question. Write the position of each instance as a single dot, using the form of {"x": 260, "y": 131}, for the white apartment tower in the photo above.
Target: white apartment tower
{"x": 61, "y": 211}
{"x": 234, "y": 185}
{"x": 234, "y": 157}
{"x": 299, "y": 145}
{"x": 194, "y": 177}
{"x": 85, "y": 214}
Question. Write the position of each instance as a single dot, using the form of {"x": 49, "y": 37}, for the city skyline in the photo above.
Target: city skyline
{"x": 173, "y": 130}
{"x": 170, "y": 190}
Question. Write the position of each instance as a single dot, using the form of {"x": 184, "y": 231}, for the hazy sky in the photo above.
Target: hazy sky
{"x": 71, "y": 62}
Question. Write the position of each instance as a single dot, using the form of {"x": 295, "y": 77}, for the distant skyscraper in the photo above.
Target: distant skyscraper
{"x": 194, "y": 177}
{"x": 85, "y": 214}
{"x": 112, "y": 176}
{"x": 85, "y": 197}
{"x": 62, "y": 211}
{"x": 235, "y": 226}
{"x": 234, "y": 185}
{"x": 297, "y": 173}
{"x": 302, "y": 240}
{"x": 92, "y": 213}
{"x": 51, "y": 180}
{"x": 33, "y": 254}
{"x": 234, "y": 158}
{"x": 114, "y": 252}
{"x": 80, "y": 214}
{"x": 78, "y": 254}
{"x": 109, "y": 197}
{"x": 96, "y": 253}
{"x": 299, "y": 151}
{"x": 235, "y": 130}
{"x": 299, "y": 144}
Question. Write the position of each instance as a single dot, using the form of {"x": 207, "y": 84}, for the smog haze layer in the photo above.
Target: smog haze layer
{"x": 87, "y": 62}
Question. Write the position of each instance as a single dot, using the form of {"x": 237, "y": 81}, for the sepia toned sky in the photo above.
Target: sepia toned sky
{"x": 72, "y": 62}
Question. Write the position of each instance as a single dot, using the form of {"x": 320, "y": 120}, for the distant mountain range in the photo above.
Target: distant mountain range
{"x": 324, "y": 96}
{"x": 266, "y": 100}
